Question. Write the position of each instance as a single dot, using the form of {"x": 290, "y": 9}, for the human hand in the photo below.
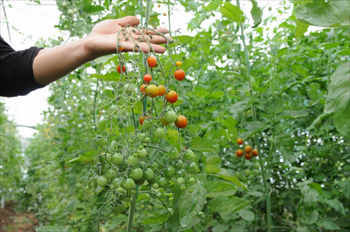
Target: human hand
{"x": 103, "y": 38}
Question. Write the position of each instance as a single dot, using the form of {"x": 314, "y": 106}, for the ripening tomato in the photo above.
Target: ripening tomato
{"x": 147, "y": 78}
{"x": 171, "y": 96}
{"x": 152, "y": 91}
{"x": 120, "y": 48}
{"x": 248, "y": 156}
{"x": 143, "y": 88}
{"x": 142, "y": 118}
{"x": 181, "y": 122}
{"x": 152, "y": 62}
{"x": 161, "y": 90}
{"x": 178, "y": 63}
{"x": 179, "y": 74}
{"x": 239, "y": 152}
{"x": 119, "y": 69}
{"x": 255, "y": 152}
{"x": 239, "y": 141}
{"x": 164, "y": 14}
{"x": 164, "y": 121}
{"x": 248, "y": 149}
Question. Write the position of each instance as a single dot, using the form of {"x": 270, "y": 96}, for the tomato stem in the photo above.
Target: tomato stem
{"x": 269, "y": 218}
{"x": 132, "y": 209}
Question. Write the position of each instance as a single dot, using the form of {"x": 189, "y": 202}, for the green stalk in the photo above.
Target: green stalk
{"x": 134, "y": 198}
{"x": 269, "y": 218}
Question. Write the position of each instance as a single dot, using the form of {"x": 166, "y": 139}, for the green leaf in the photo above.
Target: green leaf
{"x": 324, "y": 14}
{"x": 112, "y": 76}
{"x": 203, "y": 145}
{"x": 233, "y": 180}
{"x": 217, "y": 188}
{"x": 327, "y": 224}
{"x": 310, "y": 195}
{"x": 256, "y": 13}
{"x": 172, "y": 137}
{"x": 246, "y": 214}
{"x": 213, "y": 165}
{"x": 341, "y": 121}
{"x": 300, "y": 29}
{"x": 191, "y": 204}
{"x": 293, "y": 113}
{"x": 253, "y": 128}
{"x": 335, "y": 204}
{"x": 227, "y": 204}
{"x": 53, "y": 229}
{"x": 185, "y": 39}
{"x": 156, "y": 219}
{"x": 338, "y": 91}
{"x": 117, "y": 221}
{"x": 188, "y": 63}
{"x": 317, "y": 187}
{"x": 309, "y": 218}
{"x": 232, "y": 12}
{"x": 229, "y": 123}
{"x": 345, "y": 187}
{"x": 213, "y": 6}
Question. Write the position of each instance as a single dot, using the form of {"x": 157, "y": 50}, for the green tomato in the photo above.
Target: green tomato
{"x": 133, "y": 161}
{"x": 159, "y": 133}
{"x": 142, "y": 153}
{"x": 179, "y": 164}
{"x": 180, "y": 172}
{"x": 189, "y": 155}
{"x": 75, "y": 10}
{"x": 147, "y": 124}
{"x": 117, "y": 159}
{"x": 119, "y": 208}
{"x": 64, "y": 4}
{"x": 155, "y": 186}
{"x": 244, "y": 179}
{"x": 256, "y": 166}
{"x": 140, "y": 147}
{"x": 242, "y": 67}
{"x": 182, "y": 187}
{"x": 153, "y": 166}
{"x": 146, "y": 140}
{"x": 231, "y": 78}
{"x": 180, "y": 180}
{"x": 114, "y": 145}
{"x": 237, "y": 174}
{"x": 235, "y": 44}
{"x": 110, "y": 174}
{"x": 173, "y": 154}
{"x": 131, "y": 141}
{"x": 270, "y": 8}
{"x": 169, "y": 171}
{"x": 102, "y": 181}
{"x": 133, "y": 192}
{"x": 127, "y": 199}
{"x": 129, "y": 184}
{"x": 70, "y": 12}
{"x": 235, "y": 68}
{"x": 136, "y": 173}
{"x": 113, "y": 108}
{"x": 128, "y": 88}
{"x": 247, "y": 173}
{"x": 121, "y": 190}
{"x": 148, "y": 174}
{"x": 163, "y": 182}
{"x": 100, "y": 141}
{"x": 191, "y": 168}
{"x": 141, "y": 135}
{"x": 140, "y": 181}
{"x": 170, "y": 116}
{"x": 191, "y": 180}
{"x": 190, "y": 190}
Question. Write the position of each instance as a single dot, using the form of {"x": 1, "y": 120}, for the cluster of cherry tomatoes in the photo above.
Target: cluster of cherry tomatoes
{"x": 249, "y": 151}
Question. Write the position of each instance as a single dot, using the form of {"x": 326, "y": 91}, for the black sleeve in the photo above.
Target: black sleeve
{"x": 16, "y": 70}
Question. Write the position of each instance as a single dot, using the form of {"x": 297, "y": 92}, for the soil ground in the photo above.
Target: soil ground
{"x": 11, "y": 221}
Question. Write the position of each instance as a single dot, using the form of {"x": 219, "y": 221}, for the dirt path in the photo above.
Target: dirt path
{"x": 10, "y": 221}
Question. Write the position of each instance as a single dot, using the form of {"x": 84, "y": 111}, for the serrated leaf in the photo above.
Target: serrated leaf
{"x": 253, "y": 128}
{"x": 203, "y": 145}
{"x": 317, "y": 187}
{"x": 327, "y": 224}
{"x": 335, "y": 204}
{"x": 213, "y": 165}
{"x": 345, "y": 187}
{"x": 172, "y": 137}
{"x": 191, "y": 204}
{"x": 310, "y": 218}
{"x": 256, "y": 13}
{"x": 217, "y": 188}
{"x": 233, "y": 180}
{"x": 227, "y": 204}
{"x": 156, "y": 219}
{"x": 300, "y": 29}
{"x": 232, "y": 12}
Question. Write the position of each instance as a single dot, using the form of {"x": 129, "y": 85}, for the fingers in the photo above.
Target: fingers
{"x": 148, "y": 32}
{"x": 128, "y": 20}
{"x": 130, "y": 46}
{"x": 154, "y": 39}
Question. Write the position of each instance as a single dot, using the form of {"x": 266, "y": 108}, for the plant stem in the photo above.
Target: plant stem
{"x": 269, "y": 218}
{"x": 132, "y": 209}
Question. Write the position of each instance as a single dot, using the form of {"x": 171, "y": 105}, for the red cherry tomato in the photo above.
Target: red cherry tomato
{"x": 143, "y": 88}
{"x": 152, "y": 62}
{"x": 147, "y": 78}
{"x": 248, "y": 156}
{"x": 119, "y": 69}
{"x": 180, "y": 122}
{"x": 171, "y": 96}
{"x": 179, "y": 74}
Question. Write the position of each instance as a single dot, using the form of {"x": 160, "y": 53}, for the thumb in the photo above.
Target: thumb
{"x": 132, "y": 20}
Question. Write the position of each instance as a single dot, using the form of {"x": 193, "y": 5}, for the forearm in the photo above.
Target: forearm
{"x": 53, "y": 63}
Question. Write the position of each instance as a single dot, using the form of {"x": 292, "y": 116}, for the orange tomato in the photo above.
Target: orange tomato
{"x": 164, "y": 121}
{"x": 239, "y": 152}
{"x": 255, "y": 152}
{"x": 179, "y": 74}
{"x": 178, "y": 63}
{"x": 120, "y": 48}
{"x": 248, "y": 149}
{"x": 161, "y": 90}
{"x": 152, "y": 62}
{"x": 180, "y": 122}
{"x": 171, "y": 96}
{"x": 147, "y": 78}
{"x": 152, "y": 91}
{"x": 142, "y": 118}
{"x": 248, "y": 156}
{"x": 143, "y": 88}
{"x": 119, "y": 69}
{"x": 239, "y": 141}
